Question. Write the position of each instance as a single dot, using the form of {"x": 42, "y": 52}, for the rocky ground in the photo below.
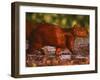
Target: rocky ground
{"x": 79, "y": 56}
{"x": 43, "y": 60}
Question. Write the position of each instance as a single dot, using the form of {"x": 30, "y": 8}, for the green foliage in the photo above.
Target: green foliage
{"x": 63, "y": 20}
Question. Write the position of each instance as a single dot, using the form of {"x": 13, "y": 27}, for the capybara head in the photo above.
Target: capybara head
{"x": 79, "y": 31}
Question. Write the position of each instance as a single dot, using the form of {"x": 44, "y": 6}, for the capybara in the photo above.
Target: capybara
{"x": 45, "y": 34}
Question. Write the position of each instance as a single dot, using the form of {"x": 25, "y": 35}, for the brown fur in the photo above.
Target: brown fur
{"x": 52, "y": 35}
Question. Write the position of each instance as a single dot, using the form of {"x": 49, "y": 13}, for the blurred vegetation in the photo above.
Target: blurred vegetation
{"x": 63, "y": 20}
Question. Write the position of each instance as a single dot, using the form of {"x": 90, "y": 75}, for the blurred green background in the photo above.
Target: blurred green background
{"x": 63, "y": 20}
